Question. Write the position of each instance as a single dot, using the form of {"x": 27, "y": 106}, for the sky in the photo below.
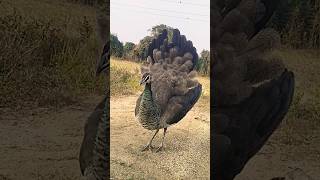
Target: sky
{"x": 130, "y": 20}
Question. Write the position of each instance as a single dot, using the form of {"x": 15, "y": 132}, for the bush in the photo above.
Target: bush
{"x": 41, "y": 64}
{"x": 123, "y": 82}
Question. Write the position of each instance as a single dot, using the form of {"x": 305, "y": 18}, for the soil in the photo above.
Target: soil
{"x": 187, "y": 145}
{"x": 44, "y": 144}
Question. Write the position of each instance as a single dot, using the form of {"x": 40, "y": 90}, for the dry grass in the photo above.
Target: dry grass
{"x": 48, "y": 52}
{"x": 302, "y": 123}
{"x": 125, "y": 78}
{"x": 205, "y": 81}
{"x": 130, "y": 66}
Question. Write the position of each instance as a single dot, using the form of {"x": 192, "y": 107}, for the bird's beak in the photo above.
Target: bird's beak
{"x": 141, "y": 82}
{"x": 104, "y": 62}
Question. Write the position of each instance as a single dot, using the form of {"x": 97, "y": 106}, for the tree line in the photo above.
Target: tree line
{"x": 138, "y": 52}
{"x": 298, "y": 21}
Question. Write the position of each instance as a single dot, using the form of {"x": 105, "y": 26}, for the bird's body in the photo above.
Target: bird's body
{"x": 170, "y": 90}
{"x": 148, "y": 112}
{"x": 94, "y": 151}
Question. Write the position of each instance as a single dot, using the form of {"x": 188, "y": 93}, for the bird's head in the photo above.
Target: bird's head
{"x": 145, "y": 79}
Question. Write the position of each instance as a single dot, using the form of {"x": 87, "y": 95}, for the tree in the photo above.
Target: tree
{"x": 203, "y": 64}
{"x": 157, "y": 29}
{"x": 116, "y": 47}
{"x": 140, "y": 51}
{"x": 128, "y": 49}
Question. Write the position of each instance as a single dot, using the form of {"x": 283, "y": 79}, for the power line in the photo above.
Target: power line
{"x": 187, "y": 3}
{"x": 142, "y": 7}
{"x": 164, "y": 15}
{"x": 179, "y": 2}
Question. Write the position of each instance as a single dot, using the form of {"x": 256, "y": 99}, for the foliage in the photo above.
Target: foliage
{"x": 44, "y": 64}
{"x": 128, "y": 50}
{"x": 203, "y": 65}
{"x": 157, "y": 29}
{"x": 140, "y": 51}
{"x": 85, "y": 29}
{"x": 299, "y": 23}
{"x": 85, "y": 2}
{"x": 116, "y": 47}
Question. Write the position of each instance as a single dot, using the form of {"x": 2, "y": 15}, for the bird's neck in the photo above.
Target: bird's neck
{"x": 147, "y": 91}
{"x": 147, "y": 87}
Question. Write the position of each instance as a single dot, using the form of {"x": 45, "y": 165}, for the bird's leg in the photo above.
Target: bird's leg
{"x": 161, "y": 145}
{"x": 148, "y": 146}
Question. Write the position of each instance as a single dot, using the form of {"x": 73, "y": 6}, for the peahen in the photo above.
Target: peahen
{"x": 170, "y": 88}
{"x": 94, "y": 152}
{"x": 252, "y": 89}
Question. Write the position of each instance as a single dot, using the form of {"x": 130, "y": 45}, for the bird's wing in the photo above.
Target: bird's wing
{"x": 101, "y": 157}
{"x": 239, "y": 46}
{"x": 179, "y": 106}
{"x": 136, "y": 111}
{"x": 103, "y": 64}
{"x": 241, "y": 130}
{"x": 94, "y": 156}
{"x": 251, "y": 93}
{"x": 90, "y": 130}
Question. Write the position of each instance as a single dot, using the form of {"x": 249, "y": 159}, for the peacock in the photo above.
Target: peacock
{"x": 170, "y": 87}
{"x": 94, "y": 152}
{"x": 252, "y": 89}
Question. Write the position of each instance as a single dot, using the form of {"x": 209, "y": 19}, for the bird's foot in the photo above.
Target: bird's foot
{"x": 159, "y": 149}
{"x": 147, "y": 147}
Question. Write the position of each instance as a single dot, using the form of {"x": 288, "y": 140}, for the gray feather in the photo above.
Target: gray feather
{"x": 252, "y": 90}
{"x": 173, "y": 90}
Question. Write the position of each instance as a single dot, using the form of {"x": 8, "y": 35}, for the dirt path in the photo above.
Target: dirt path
{"x": 276, "y": 159}
{"x": 43, "y": 144}
{"x": 187, "y": 145}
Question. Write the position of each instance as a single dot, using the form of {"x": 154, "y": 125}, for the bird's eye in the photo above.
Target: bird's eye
{"x": 146, "y": 79}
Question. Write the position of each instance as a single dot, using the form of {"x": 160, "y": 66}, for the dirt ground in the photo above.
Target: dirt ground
{"x": 187, "y": 145}
{"x": 42, "y": 143}
{"x": 186, "y": 154}
{"x": 276, "y": 160}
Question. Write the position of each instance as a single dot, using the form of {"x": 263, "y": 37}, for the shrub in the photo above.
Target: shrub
{"x": 42, "y": 64}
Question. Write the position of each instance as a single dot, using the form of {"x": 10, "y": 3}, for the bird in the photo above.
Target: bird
{"x": 252, "y": 90}
{"x": 94, "y": 151}
{"x": 170, "y": 87}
